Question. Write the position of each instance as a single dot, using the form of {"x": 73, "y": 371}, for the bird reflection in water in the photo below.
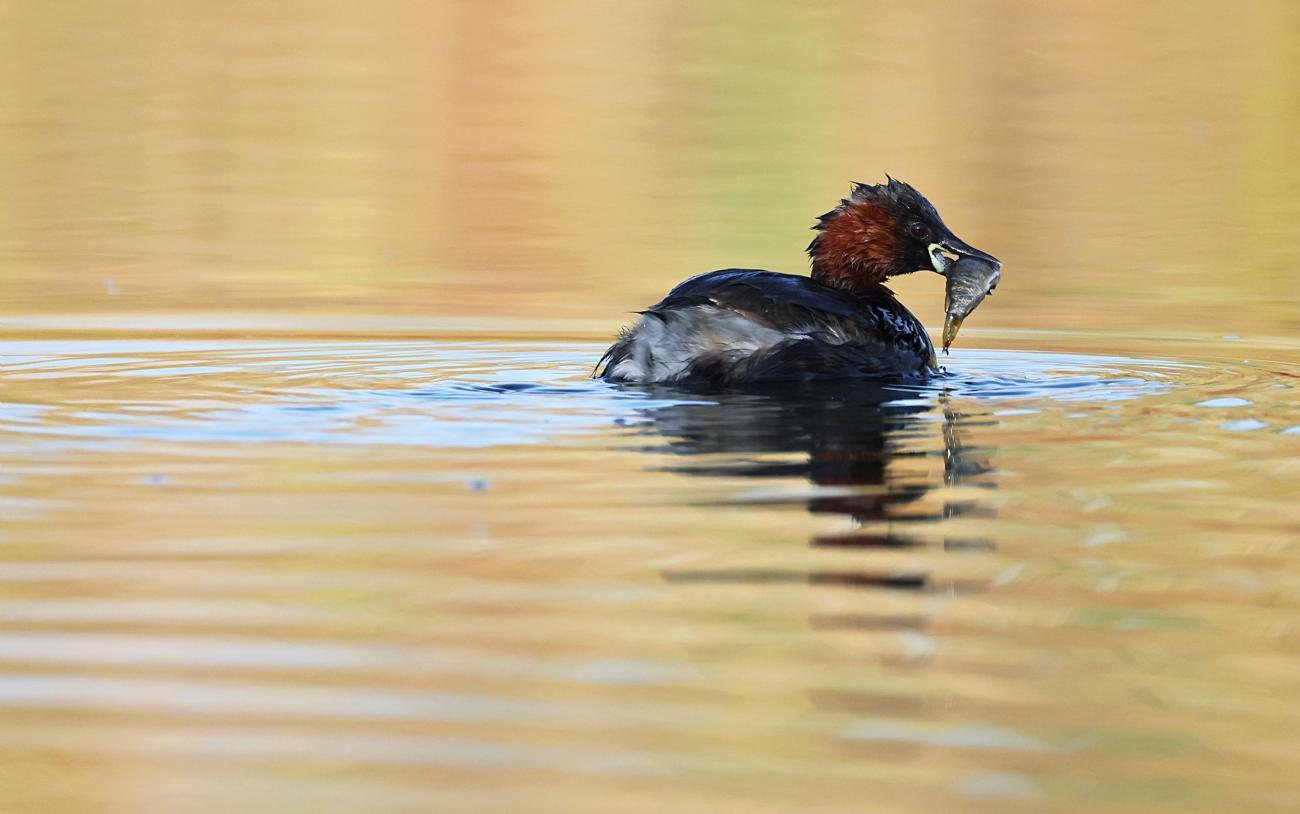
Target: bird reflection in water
{"x": 872, "y": 449}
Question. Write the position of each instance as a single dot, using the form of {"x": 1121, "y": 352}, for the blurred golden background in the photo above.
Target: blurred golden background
{"x": 1136, "y": 166}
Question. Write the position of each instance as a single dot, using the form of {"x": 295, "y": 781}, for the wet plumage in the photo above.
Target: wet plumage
{"x": 744, "y": 325}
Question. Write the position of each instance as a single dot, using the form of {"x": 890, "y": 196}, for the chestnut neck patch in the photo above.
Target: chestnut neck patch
{"x": 858, "y": 246}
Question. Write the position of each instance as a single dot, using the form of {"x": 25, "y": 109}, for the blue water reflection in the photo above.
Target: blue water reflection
{"x": 437, "y": 394}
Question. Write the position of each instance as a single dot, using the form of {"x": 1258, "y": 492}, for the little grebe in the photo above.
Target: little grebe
{"x": 745, "y": 325}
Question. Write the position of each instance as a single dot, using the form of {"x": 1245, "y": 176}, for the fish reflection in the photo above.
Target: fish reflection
{"x": 874, "y": 452}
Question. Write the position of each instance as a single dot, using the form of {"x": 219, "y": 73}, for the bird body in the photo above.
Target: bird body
{"x": 747, "y": 325}
{"x": 740, "y": 326}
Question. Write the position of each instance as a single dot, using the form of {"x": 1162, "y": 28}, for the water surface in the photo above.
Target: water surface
{"x": 385, "y": 575}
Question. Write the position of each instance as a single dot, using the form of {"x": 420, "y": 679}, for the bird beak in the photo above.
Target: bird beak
{"x": 953, "y": 245}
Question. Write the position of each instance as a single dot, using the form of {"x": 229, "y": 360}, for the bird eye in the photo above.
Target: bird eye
{"x": 919, "y": 231}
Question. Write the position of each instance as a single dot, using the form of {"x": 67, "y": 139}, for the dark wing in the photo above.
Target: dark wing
{"x": 781, "y": 301}
{"x": 786, "y": 302}
{"x": 842, "y": 334}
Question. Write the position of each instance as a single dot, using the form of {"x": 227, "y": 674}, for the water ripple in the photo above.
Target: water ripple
{"x": 442, "y": 394}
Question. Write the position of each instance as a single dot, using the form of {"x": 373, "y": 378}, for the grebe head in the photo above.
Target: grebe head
{"x": 881, "y": 231}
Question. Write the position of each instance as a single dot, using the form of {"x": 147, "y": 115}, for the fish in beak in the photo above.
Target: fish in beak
{"x": 971, "y": 278}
